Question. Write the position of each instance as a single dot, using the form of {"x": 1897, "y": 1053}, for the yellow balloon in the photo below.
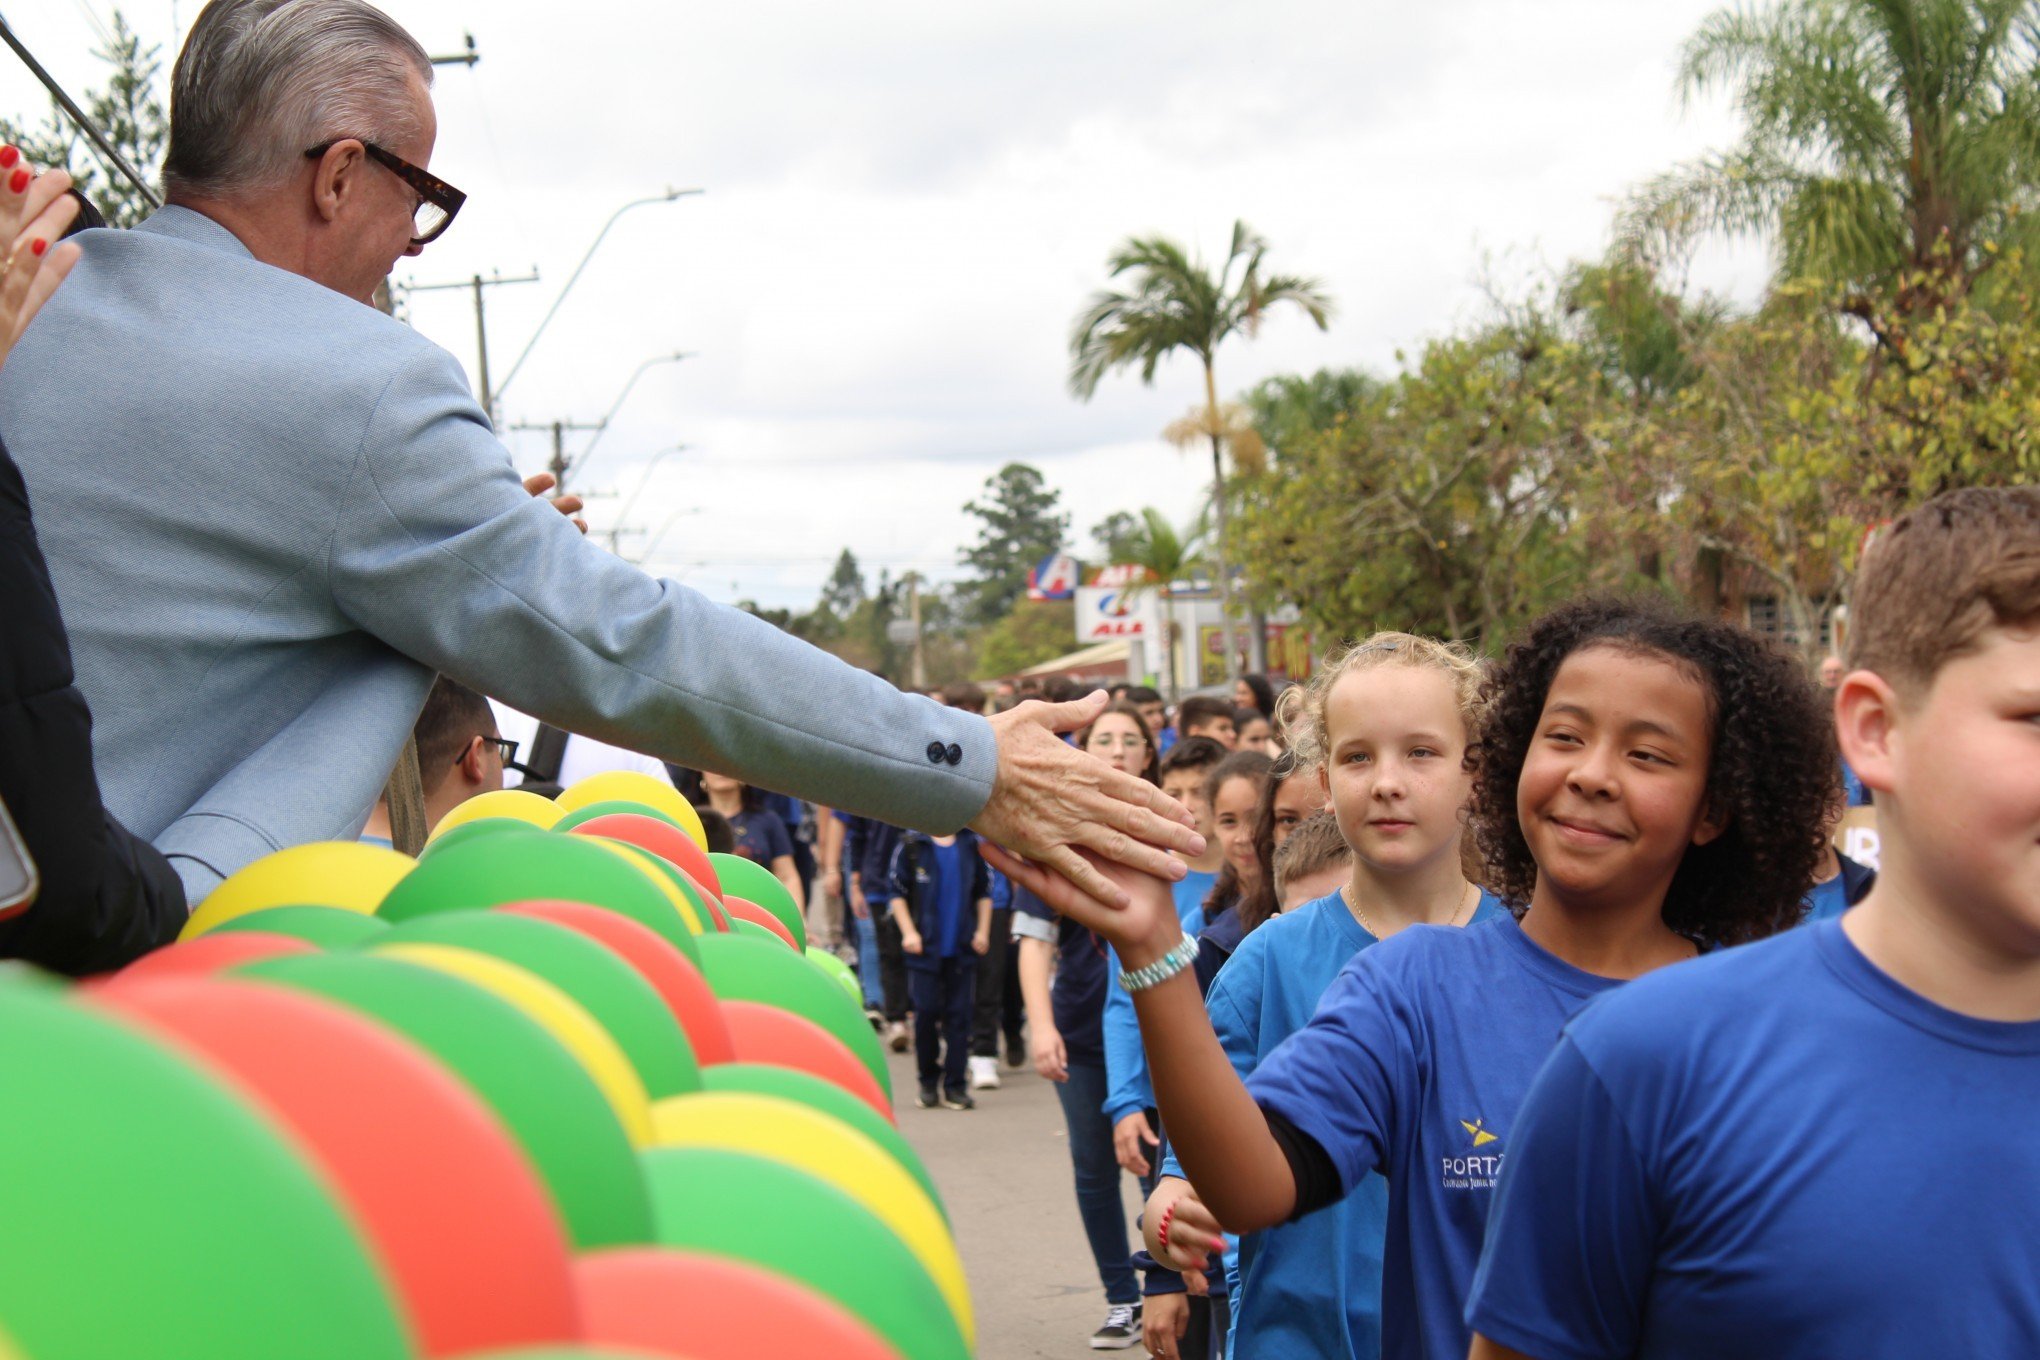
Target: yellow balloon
{"x": 635, "y": 786}
{"x": 512, "y": 803}
{"x": 344, "y": 874}
{"x": 803, "y": 1137}
{"x": 560, "y": 1015}
{"x": 642, "y": 862}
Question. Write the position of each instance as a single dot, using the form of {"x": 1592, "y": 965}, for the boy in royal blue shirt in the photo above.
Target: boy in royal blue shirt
{"x": 942, "y": 903}
{"x": 1819, "y": 1145}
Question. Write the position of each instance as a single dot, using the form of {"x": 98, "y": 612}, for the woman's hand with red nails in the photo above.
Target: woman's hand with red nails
{"x": 1194, "y": 1234}
{"x": 35, "y": 210}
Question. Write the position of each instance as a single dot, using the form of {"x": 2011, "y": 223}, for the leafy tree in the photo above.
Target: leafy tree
{"x": 1113, "y": 533}
{"x": 845, "y": 588}
{"x": 127, "y": 110}
{"x": 1032, "y": 632}
{"x": 1289, "y": 407}
{"x": 1885, "y": 141}
{"x": 1018, "y": 525}
{"x": 1176, "y": 302}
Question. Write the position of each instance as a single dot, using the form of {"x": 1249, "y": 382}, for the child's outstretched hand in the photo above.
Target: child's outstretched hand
{"x": 1181, "y": 1233}
{"x": 1140, "y": 932}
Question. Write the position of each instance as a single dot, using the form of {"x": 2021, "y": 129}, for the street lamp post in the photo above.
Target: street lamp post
{"x": 630, "y": 503}
{"x": 667, "y": 197}
{"x": 602, "y": 425}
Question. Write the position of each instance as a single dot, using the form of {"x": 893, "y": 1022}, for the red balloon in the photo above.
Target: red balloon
{"x": 204, "y": 955}
{"x": 672, "y": 974}
{"x": 779, "y": 1038}
{"x": 744, "y": 909}
{"x": 663, "y": 839}
{"x": 694, "y": 1306}
{"x": 450, "y": 1205}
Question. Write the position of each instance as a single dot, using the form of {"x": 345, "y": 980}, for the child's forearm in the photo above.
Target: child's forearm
{"x": 1217, "y": 1131}
{"x": 984, "y": 920}
{"x": 1036, "y": 959}
{"x": 901, "y": 915}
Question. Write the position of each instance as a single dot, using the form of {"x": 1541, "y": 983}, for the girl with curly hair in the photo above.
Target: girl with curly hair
{"x": 1645, "y": 787}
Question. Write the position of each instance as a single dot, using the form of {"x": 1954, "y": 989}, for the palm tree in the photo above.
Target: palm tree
{"x": 1177, "y": 303}
{"x": 1168, "y": 555}
{"x": 1883, "y": 138}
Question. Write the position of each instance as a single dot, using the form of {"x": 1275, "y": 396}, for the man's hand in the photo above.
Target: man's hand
{"x": 1045, "y": 1046}
{"x": 34, "y": 211}
{"x": 1131, "y": 1137}
{"x": 1163, "y": 1318}
{"x": 538, "y": 483}
{"x": 1050, "y": 801}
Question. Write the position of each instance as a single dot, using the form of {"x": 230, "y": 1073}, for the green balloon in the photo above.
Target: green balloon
{"x": 755, "y": 1209}
{"x": 837, "y": 969}
{"x": 327, "y": 927}
{"x": 756, "y": 883}
{"x": 680, "y": 879}
{"x": 743, "y": 969}
{"x": 493, "y": 870}
{"x": 825, "y": 1096}
{"x": 541, "y": 1093}
{"x": 608, "y": 806}
{"x": 751, "y": 930}
{"x": 609, "y": 989}
{"x": 150, "y": 1211}
{"x": 479, "y": 829}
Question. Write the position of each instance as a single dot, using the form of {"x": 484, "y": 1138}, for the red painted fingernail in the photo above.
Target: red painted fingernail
{"x": 38, "y": 246}
{"x": 8, "y": 156}
{"x": 18, "y": 181}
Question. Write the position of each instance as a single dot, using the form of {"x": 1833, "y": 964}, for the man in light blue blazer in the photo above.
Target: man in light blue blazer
{"x": 272, "y": 513}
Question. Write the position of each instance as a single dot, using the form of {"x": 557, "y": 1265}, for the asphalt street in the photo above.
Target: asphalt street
{"x": 1004, "y": 1171}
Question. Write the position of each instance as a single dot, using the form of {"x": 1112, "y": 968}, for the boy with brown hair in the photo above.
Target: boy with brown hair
{"x": 1313, "y": 862}
{"x": 1818, "y": 1145}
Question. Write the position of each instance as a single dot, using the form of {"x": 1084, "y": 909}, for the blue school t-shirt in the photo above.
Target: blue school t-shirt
{"x": 952, "y": 900}
{"x": 1191, "y": 891}
{"x": 761, "y": 837}
{"x": 1775, "y": 1151}
{"x": 1415, "y": 1066}
{"x": 1312, "y": 1287}
{"x": 1077, "y": 995}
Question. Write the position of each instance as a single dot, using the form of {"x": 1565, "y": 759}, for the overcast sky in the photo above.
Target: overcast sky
{"x": 908, "y": 202}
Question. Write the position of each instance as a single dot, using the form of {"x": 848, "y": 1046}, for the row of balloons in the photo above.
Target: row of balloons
{"x": 565, "y": 1085}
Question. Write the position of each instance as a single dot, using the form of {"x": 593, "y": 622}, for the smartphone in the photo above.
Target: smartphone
{"x": 18, "y": 881}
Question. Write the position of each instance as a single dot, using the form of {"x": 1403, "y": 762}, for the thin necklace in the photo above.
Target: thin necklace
{"x": 1466, "y": 898}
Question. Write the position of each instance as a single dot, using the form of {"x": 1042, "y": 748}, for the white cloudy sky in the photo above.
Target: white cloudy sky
{"x": 907, "y": 202}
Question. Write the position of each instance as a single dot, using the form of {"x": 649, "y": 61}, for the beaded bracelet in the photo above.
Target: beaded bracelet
{"x": 1162, "y": 969}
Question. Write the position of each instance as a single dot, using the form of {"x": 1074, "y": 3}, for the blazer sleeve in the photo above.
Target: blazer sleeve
{"x": 437, "y": 550}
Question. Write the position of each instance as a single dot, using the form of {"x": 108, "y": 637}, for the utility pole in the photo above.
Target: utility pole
{"x": 477, "y": 284}
{"x": 559, "y": 465}
{"x": 914, "y": 613}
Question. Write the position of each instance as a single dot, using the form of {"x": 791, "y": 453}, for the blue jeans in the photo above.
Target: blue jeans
{"x": 1097, "y": 1175}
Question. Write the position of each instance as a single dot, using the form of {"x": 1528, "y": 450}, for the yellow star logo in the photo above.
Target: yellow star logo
{"x": 1481, "y": 1137}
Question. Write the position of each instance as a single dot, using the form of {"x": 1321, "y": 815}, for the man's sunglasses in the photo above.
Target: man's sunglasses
{"x": 438, "y": 201}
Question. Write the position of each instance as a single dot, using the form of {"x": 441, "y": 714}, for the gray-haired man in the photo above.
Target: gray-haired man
{"x": 271, "y": 514}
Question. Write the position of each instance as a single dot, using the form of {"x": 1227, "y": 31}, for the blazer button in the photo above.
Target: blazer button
{"x": 936, "y": 755}
{"x": 955, "y": 754}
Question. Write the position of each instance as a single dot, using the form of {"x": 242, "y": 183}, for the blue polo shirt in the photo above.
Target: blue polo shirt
{"x": 1414, "y": 1067}
{"x": 1775, "y": 1151}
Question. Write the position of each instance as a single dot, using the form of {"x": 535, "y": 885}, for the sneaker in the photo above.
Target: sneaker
{"x": 897, "y": 1036}
{"x": 927, "y": 1099}
{"x": 984, "y": 1074}
{"x": 956, "y": 1098}
{"x": 1121, "y": 1329}
{"x": 1016, "y": 1051}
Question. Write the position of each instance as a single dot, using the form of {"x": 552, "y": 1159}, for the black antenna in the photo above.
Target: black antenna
{"x": 98, "y": 138}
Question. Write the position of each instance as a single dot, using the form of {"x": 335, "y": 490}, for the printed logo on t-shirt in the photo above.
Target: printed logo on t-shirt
{"x": 1474, "y": 1169}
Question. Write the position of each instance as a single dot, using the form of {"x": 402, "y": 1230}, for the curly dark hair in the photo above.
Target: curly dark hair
{"x": 1771, "y": 772}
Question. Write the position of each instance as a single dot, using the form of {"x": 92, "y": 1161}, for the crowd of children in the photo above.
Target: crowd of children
{"x": 1563, "y": 1032}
